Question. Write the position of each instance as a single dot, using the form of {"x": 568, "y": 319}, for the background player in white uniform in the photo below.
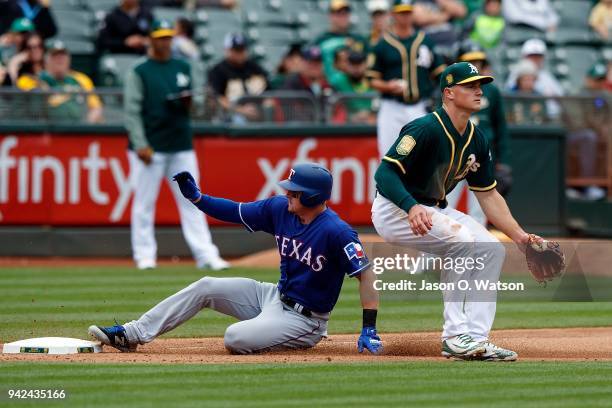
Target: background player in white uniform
{"x": 402, "y": 67}
{"x": 427, "y": 160}
{"x": 161, "y": 145}
{"x": 317, "y": 249}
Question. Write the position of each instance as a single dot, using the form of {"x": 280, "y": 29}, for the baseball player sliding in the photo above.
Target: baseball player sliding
{"x": 430, "y": 156}
{"x": 316, "y": 248}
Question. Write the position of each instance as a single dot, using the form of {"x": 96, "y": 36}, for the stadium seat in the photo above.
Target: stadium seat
{"x": 570, "y": 35}
{"x": 230, "y": 20}
{"x": 518, "y": 35}
{"x": 68, "y": 5}
{"x": 171, "y": 13}
{"x": 272, "y": 35}
{"x": 578, "y": 61}
{"x": 99, "y": 5}
{"x": 84, "y": 47}
{"x": 75, "y": 24}
{"x": 273, "y": 55}
{"x": 114, "y": 67}
{"x": 573, "y": 13}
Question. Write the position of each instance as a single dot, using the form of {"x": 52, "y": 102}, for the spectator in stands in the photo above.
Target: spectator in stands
{"x": 291, "y": 63}
{"x": 125, "y": 29}
{"x": 588, "y": 126}
{"x": 183, "y": 45}
{"x": 13, "y": 41}
{"x": 473, "y": 6}
{"x": 486, "y": 28}
{"x": 355, "y": 81}
{"x": 339, "y": 35}
{"x": 341, "y": 62}
{"x": 528, "y": 110}
{"x": 29, "y": 61}
{"x": 546, "y": 84}
{"x": 236, "y": 77}
{"x": 597, "y": 78}
{"x": 190, "y": 4}
{"x": 312, "y": 77}
{"x": 312, "y": 80}
{"x": 380, "y": 19}
{"x": 532, "y": 13}
{"x": 58, "y": 75}
{"x": 5, "y": 78}
{"x": 437, "y": 18}
{"x": 37, "y": 11}
{"x": 600, "y": 19}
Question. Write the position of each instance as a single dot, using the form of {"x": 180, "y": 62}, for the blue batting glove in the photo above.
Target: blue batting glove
{"x": 188, "y": 186}
{"x": 370, "y": 340}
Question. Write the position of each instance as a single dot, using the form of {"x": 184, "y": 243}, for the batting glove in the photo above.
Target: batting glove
{"x": 370, "y": 340}
{"x": 188, "y": 186}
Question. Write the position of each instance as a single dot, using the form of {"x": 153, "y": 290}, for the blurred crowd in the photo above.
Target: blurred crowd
{"x": 335, "y": 61}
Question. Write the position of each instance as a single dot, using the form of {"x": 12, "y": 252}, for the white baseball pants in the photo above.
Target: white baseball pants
{"x": 392, "y": 116}
{"x": 146, "y": 181}
{"x": 265, "y": 324}
{"x": 454, "y": 235}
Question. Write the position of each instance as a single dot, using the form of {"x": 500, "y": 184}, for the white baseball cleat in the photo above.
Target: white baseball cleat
{"x": 215, "y": 264}
{"x": 146, "y": 264}
{"x": 462, "y": 347}
{"x": 496, "y": 353}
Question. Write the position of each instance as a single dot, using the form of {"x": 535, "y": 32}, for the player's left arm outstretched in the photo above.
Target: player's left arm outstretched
{"x": 497, "y": 212}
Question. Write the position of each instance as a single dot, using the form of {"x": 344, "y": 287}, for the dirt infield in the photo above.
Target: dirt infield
{"x": 578, "y": 344}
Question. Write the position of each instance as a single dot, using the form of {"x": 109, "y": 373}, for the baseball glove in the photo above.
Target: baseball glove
{"x": 545, "y": 259}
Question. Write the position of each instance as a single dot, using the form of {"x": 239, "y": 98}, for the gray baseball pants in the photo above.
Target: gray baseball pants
{"x": 265, "y": 324}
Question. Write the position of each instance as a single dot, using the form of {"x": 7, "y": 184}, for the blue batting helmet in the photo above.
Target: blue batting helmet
{"x": 313, "y": 180}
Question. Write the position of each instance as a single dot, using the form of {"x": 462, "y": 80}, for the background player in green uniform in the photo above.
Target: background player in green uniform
{"x": 491, "y": 120}
{"x": 426, "y": 161}
{"x": 157, "y": 106}
{"x": 402, "y": 66}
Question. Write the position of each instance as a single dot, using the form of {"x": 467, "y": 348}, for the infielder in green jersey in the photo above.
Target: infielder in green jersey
{"x": 403, "y": 66}
{"x": 491, "y": 120}
{"x": 157, "y": 101}
{"x": 426, "y": 161}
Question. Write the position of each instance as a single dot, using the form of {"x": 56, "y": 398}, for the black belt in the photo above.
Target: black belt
{"x": 295, "y": 305}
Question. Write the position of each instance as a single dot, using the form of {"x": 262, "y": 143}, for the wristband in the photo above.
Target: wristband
{"x": 369, "y": 317}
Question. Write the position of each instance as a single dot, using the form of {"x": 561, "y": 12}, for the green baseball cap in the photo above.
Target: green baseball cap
{"x": 598, "y": 71}
{"x": 461, "y": 73}
{"x": 21, "y": 25}
{"x": 399, "y": 6}
{"x": 161, "y": 28}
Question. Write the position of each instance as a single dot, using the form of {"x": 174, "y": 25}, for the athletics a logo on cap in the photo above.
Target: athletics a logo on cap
{"x": 354, "y": 250}
{"x": 473, "y": 69}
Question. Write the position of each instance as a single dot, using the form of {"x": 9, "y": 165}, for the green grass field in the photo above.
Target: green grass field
{"x": 65, "y": 301}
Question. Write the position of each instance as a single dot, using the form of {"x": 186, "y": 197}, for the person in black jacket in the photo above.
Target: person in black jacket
{"x": 125, "y": 29}
{"x": 37, "y": 11}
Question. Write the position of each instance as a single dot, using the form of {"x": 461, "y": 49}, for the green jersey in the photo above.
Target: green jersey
{"x": 491, "y": 120}
{"x": 152, "y": 118}
{"x": 329, "y": 42}
{"x": 411, "y": 59}
{"x": 341, "y": 82}
{"x": 429, "y": 158}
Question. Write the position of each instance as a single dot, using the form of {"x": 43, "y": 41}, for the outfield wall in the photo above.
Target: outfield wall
{"x": 67, "y": 181}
